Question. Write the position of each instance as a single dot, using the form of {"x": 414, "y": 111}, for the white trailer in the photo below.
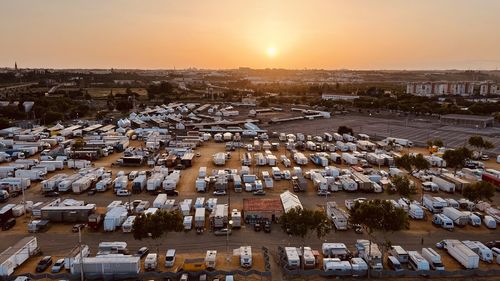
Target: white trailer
{"x": 443, "y": 184}
{"x": 246, "y": 260}
{"x": 114, "y": 218}
{"x": 121, "y": 182}
{"x": 78, "y": 163}
{"x": 417, "y": 262}
{"x": 154, "y": 182}
{"x": 81, "y": 185}
{"x": 15, "y": 184}
{"x": 462, "y": 253}
{"x": 103, "y": 184}
{"x": 17, "y": 254}
{"x": 456, "y": 216}
{"x": 199, "y": 218}
{"x": 433, "y": 258}
{"x": 370, "y": 252}
{"x": 211, "y": 259}
{"x": 74, "y": 257}
{"x": 219, "y": 158}
{"x": 484, "y": 253}
{"x": 188, "y": 222}
{"x": 349, "y": 159}
{"x": 128, "y": 224}
{"x": 59, "y": 165}
{"x": 403, "y": 142}
{"x": 434, "y": 204}
{"x": 33, "y": 175}
{"x": 335, "y": 250}
{"x": 339, "y": 218}
{"x": 415, "y": 212}
{"x": 160, "y": 200}
{"x": 109, "y": 265}
{"x": 300, "y": 158}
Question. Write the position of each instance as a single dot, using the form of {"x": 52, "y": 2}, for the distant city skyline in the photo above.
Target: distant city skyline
{"x": 317, "y": 34}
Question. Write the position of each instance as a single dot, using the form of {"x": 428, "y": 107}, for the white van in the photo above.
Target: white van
{"x": 170, "y": 258}
{"x": 151, "y": 262}
{"x": 490, "y": 222}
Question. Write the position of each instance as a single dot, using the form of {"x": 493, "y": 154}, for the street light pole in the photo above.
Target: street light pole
{"x": 82, "y": 275}
{"x": 229, "y": 226}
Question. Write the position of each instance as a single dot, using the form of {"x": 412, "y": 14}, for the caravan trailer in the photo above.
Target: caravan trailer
{"x": 417, "y": 262}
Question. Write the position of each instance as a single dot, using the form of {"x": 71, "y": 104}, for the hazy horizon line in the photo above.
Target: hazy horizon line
{"x": 250, "y": 68}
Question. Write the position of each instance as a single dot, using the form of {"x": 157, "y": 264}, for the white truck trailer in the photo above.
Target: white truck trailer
{"x": 465, "y": 256}
{"x": 17, "y": 254}
{"x": 433, "y": 258}
{"x": 338, "y": 216}
{"x": 443, "y": 184}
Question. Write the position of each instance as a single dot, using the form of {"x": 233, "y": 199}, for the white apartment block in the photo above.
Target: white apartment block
{"x": 461, "y": 88}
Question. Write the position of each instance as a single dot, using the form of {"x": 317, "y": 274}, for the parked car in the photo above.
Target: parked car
{"x": 222, "y": 232}
{"x": 440, "y": 245}
{"x": 91, "y": 191}
{"x": 43, "y": 264}
{"x": 172, "y": 193}
{"x": 9, "y": 224}
{"x": 220, "y": 192}
{"x": 142, "y": 252}
{"x": 77, "y": 227}
{"x": 58, "y": 266}
{"x": 323, "y": 193}
{"x": 52, "y": 194}
{"x": 259, "y": 192}
{"x": 493, "y": 244}
{"x": 122, "y": 192}
{"x": 267, "y": 227}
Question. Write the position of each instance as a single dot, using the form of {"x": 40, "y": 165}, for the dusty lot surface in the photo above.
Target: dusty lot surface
{"x": 59, "y": 239}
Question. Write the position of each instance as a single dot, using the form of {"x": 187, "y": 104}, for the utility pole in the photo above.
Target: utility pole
{"x": 82, "y": 275}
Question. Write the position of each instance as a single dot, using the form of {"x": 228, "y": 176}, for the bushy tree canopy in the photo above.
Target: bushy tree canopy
{"x": 378, "y": 215}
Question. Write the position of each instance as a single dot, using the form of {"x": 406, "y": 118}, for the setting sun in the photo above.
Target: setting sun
{"x": 271, "y": 52}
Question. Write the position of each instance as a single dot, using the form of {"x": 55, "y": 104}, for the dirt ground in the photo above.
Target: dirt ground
{"x": 410, "y": 239}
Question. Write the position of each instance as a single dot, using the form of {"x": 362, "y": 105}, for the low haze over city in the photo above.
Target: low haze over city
{"x": 249, "y": 140}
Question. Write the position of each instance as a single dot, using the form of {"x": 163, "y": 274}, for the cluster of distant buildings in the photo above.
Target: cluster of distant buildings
{"x": 460, "y": 88}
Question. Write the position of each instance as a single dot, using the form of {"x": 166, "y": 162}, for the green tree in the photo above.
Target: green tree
{"x": 404, "y": 162}
{"x": 435, "y": 142}
{"x": 479, "y": 143}
{"x": 300, "y": 222}
{"x": 456, "y": 158}
{"x": 52, "y": 117}
{"x": 420, "y": 163}
{"x": 378, "y": 215}
{"x": 478, "y": 191}
{"x": 403, "y": 186}
{"x": 345, "y": 130}
{"x": 157, "y": 224}
{"x": 4, "y": 123}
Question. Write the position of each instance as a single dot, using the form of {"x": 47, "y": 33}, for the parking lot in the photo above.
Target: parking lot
{"x": 59, "y": 239}
{"x": 419, "y": 130}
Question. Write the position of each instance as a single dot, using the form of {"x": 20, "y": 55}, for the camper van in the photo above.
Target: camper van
{"x": 443, "y": 221}
{"x": 399, "y": 253}
{"x": 170, "y": 258}
{"x": 394, "y": 263}
{"x": 417, "y": 262}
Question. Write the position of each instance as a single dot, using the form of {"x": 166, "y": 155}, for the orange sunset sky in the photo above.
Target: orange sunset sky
{"x": 329, "y": 34}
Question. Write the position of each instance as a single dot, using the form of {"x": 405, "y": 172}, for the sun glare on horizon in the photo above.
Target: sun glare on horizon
{"x": 272, "y": 52}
